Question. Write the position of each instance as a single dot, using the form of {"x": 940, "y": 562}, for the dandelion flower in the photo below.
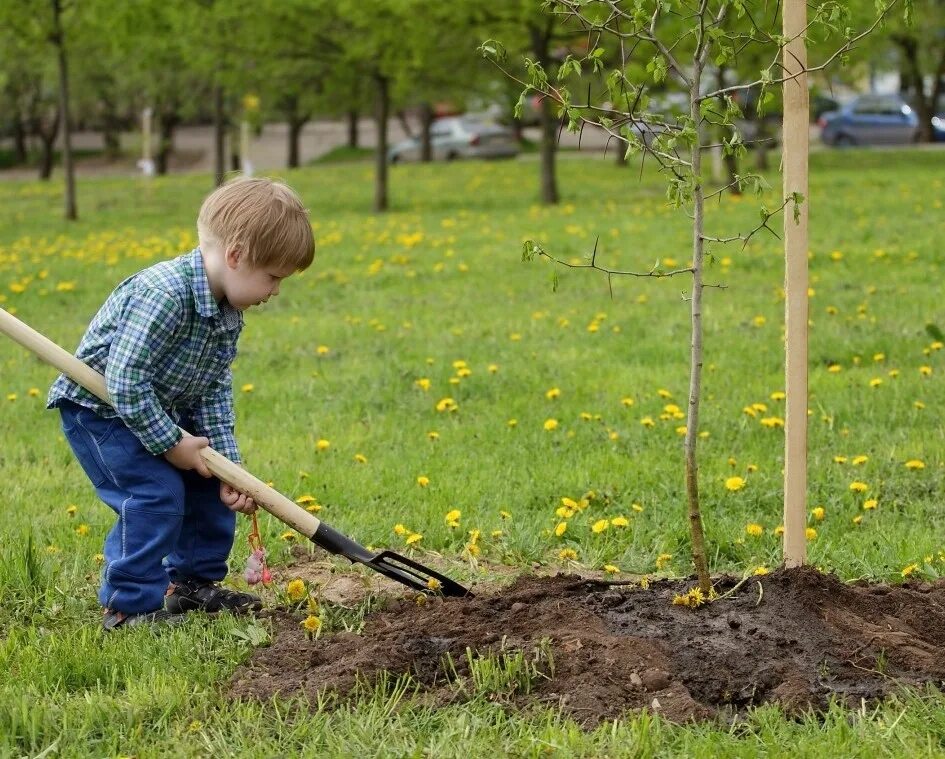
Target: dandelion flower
{"x": 915, "y": 464}
{"x": 620, "y": 522}
{"x": 818, "y": 513}
{"x": 869, "y": 504}
{"x": 399, "y": 529}
{"x": 810, "y": 533}
{"x": 734, "y": 484}
{"x": 434, "y": 584}
{"x": 755, "y": 530}
{"x": 663, "y": 559}
{"x": 858, "y": 460}
{"x": 295, "y": 590}
{"x": 414, "y": 537}
{"x": 636, "y": 507}
{"x": 762, "y": 570}
{"x": 553, "y": 393}
{"x": 311, "y": 623}
{"x": 423, "y": 481}
{"x": 611, "y": 569}
{"x": 859, "y": 487}
{"x": 82, "y": 530}
{"x": 287, "y": 535}
{"x": 906, "y": 571}
{"x": 433, "y": 435}
{"x": 71, "y": 509}
{"x": 600, "y": 525}
{"x": 423, "y": 383}
{"x": 550, "y": 425}
{"x": 567, "y": 554}
{"x": 248, "y": 387}
{"x": 322, "y": 445}
{"x": 360, "y": 458}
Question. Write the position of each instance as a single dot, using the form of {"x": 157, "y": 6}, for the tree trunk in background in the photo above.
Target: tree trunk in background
{"x": 540, "y": 38}
{"x": 47, "y": 139}
{"x": 404, "y": 124}
{"x": 20, "y": 153}
{"x": 295, "y": 137}
{"x": 352, "y": 129}
{"x": 219, "y": 136}
{"x": 71, "y": 212}
{"x": 381, "y": 113}
{"x": 167, "y": 123}
{"x": 912, "y": 73}
{"x": 426, "y": 143}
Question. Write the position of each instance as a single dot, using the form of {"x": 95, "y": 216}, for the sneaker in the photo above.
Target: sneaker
{"x": 193, "y": 595}
{"x": 113, "y": 619}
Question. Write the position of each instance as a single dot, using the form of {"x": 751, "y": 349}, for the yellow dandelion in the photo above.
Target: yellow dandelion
{"x": 82, "y": 530}
{"x": 553, "y": 393}
{"x": 295, "y": 590}
{"x": 755, "y": 530}
{"x": 915, "y": 464}
{"x": 434, "y": 584}
{"x": 423, "y": 383}
{"x": 611, "y": 569}
{"x": 550, "y": 425}
{"x": 433, "y": 435}
{"x": 311, "y": 623}
{"x": 859, "y": 460}
{"x": 360, "y": 458}
{"x": 762, "y": 570}
{"x": 818, "y": 513}
{"x": 423, "y": 481}
{"x": 734, "y": 484}
{"x": 859, "y": 487}
{"x": 567, "y": 554}
{"x": 600, "y": 525}
{"x": 399, "y": 529}
{"x": 906, "y": 571}
{"x": 248, "y": 387}
{"x": 322, "y": 445}
{"x": 810, "y": 533}
{"x": 287, "y": 535}
{"x": 414, "y": 537}
{"x": 663, "y": 559}
{"x": 627, "y": 401}
{"x": 870, "y": 503}
{"x": 71, "y": 509}
{"x": 619, "y": 522}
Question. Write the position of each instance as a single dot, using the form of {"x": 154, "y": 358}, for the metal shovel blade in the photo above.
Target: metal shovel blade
{"x": 405, "y": 571}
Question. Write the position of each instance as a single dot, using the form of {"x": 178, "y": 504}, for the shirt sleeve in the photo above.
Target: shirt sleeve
{"x": 214, "y": 417}
{"x": 146, "y": 326}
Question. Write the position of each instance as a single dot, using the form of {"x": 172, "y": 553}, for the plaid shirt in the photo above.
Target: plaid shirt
{"x": 165, "y": 348}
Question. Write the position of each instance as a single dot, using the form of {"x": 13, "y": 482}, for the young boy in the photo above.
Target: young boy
{"x": 165, "y": 340}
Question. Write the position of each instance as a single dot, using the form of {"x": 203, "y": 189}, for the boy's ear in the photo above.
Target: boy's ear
{"x": 232, "y": 257}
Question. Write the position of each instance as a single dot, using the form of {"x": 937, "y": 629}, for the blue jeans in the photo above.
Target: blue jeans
{"x": 171, "y": 523}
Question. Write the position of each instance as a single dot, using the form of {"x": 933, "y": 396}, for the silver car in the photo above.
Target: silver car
{"x": 870, "y": 120}
{"x": 459, "y": 137}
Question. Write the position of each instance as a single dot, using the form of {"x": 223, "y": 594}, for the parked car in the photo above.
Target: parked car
{"x": 870, "y": 120}
{"x": 459, "y": 137}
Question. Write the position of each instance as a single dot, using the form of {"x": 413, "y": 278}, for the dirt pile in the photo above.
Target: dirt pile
{"x": 596, "y": 650}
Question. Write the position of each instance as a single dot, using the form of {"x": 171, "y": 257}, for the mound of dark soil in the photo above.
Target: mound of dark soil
{"x": 795, "y": 637}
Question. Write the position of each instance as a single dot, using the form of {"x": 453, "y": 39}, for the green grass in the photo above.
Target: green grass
{"x": 400, "y": 297}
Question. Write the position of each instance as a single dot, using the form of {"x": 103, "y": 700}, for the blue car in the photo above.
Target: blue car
{"x": 870, "y": 120}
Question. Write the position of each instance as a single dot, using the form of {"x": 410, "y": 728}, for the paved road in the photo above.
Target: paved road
{"x": 194, "y": 146}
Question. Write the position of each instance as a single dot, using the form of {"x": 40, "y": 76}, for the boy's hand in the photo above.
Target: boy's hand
{"x": 235, "y": 500}
{"x": 186, "y": 455}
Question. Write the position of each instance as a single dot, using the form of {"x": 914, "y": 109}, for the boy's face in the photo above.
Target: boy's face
{"x": 247, "y": 285}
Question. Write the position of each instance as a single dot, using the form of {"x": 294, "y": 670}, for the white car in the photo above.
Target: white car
{"x": 459, "y": 137}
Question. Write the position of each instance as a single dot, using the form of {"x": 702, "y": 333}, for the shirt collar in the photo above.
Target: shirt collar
{"x": 203, "y": 297}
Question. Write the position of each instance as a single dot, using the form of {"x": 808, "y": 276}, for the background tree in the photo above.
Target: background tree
{"x": 681, "y": 47}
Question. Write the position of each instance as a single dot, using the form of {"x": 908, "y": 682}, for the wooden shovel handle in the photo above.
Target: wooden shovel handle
{"x": 271, "y": 500}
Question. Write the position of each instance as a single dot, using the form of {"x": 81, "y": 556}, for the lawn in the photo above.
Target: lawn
{"x": 572, "y": 394}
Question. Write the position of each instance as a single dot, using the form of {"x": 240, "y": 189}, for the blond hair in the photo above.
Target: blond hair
{"x": 265, "y": 219}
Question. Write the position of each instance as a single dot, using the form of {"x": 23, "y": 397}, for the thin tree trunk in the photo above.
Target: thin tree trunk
{"x": 404, "y": 124}
{"x": 695, "y": 358}
{"x": 219, "y": 136}
{"x": 47, "y": 140}
{"x": 352, "y": 129}
{"x": 71, "y": 211}
{"x": 296, "y": 125}
{"x": 167, "y": 123}
{"x": 20, "y": 153}
{"x": 910, "y": 50}
{"x": 549, "y": 183}
{"x": 426, "y": 143}
{"x": 381, "y": 114}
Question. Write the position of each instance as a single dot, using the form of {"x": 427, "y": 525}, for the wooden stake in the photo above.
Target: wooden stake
{"x": 794, "y": 159}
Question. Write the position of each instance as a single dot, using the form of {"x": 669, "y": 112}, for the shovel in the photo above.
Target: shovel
{"x": 388, "y": 563}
